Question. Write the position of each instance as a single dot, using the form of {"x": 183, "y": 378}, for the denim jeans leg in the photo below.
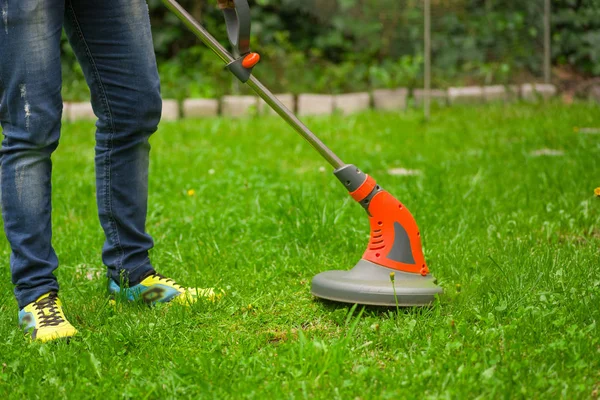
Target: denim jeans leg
{"x": 113, "y": 43}
{"x": 30, "y": 115}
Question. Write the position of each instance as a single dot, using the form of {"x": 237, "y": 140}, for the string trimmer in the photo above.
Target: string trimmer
{"x": 392, "y": 270}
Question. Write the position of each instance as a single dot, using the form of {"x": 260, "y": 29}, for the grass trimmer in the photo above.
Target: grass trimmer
{"x": 392, "y": 270}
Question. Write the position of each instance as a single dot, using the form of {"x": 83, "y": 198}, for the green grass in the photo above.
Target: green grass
{"x": 513, "y": 239}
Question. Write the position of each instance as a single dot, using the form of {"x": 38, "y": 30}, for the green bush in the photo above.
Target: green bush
{"x": 576, "y": 38}
{"x": 334, "y": 46}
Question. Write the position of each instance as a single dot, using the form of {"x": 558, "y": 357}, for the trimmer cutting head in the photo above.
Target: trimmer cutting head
{"x": 371, "y": 284}
{"x": 392, "y": 270}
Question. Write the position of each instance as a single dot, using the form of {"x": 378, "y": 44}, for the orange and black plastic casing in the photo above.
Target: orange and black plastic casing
{"x": 395, "y": 240}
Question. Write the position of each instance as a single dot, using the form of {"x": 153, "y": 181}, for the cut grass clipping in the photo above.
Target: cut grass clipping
{"x": 504, "y": 197}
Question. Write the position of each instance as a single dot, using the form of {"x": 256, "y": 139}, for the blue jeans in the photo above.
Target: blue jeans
{"x": 113, "y": 44}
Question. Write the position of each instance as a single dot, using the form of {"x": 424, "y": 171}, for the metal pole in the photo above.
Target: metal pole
{"x": 255, "y": 84}
{"x": 547, "y": 48}
{"x": 427, "y": 97}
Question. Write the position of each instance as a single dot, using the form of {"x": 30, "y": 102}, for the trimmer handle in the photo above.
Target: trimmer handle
{"x": 237, "y": 18}
{"x": 238, "y": 26}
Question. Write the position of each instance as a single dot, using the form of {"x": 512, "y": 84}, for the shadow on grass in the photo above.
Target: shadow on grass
{"x": 331, "y": 306}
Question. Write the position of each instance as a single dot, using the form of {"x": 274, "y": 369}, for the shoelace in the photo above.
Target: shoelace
{"x": 169, "y": 280}
{"x": 53, "y": 317}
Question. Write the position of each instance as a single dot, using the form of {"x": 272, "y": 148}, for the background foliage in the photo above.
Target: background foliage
{"x": 333, "y": 46}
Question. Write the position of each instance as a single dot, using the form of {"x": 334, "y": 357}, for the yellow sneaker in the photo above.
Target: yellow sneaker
{"x": 44, "y": 319}
{"x": 156, "y": 288}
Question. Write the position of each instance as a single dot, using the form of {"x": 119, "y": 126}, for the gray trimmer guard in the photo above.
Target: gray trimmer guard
{"x": 370, "y": 284}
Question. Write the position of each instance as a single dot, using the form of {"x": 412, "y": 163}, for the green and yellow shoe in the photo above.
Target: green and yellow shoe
{"x": 44, "y": 319}
{"x": 156, "y": 288}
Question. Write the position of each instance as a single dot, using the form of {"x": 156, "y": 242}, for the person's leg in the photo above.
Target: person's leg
{"x": 113, "y": 43}
{"x": 30, "y": 115}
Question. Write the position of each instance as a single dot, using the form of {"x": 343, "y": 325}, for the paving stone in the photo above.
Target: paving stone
{"x": 195, "y": 108}
{"x": 239, "y": 106}
{"x": 465, "y": 95}
{"x": 513, "y": 92}
{"x": 351, "y": 103}
{"x": 287, "y": 99}
{"x": 315, "y": 104}
{"x": 537, "y": 91}
{"x": 170, "y": 110}
{"x": 594, "y": 94}
{"x": 81, "y": 111}
{"x": 495, "y": 93}
{"x": 390, "y": 99}
{"x": 546, "y": 90}
{"x": 66, "y": 114}
{"x": 436, "y": 96}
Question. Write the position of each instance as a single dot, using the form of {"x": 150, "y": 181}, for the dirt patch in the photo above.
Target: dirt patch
{"x": 547, "y": 152}
{"x": 573, "y": 84}
{"x": 582, "y": 238}
{"x": 404, "y": 172}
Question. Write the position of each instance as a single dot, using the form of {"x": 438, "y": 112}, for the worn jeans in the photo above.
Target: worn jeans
{"x": 113, "y": 44}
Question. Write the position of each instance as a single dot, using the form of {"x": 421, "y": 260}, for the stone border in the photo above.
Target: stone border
{"x": 352, "y": 103}
{"x": 436, "y": 96}
{"x": 287, "y": 99}
{"x": 537, "y": 91}
{"x": 199, "y": 108}
{"x": 315, "y": 104}
{"x": 390, "y": 99}
{"x": 465, "y": 95}
{"x": 346, "y": 104}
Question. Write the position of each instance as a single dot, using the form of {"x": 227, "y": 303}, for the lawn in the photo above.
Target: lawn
{"x": 511, "y": 232}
